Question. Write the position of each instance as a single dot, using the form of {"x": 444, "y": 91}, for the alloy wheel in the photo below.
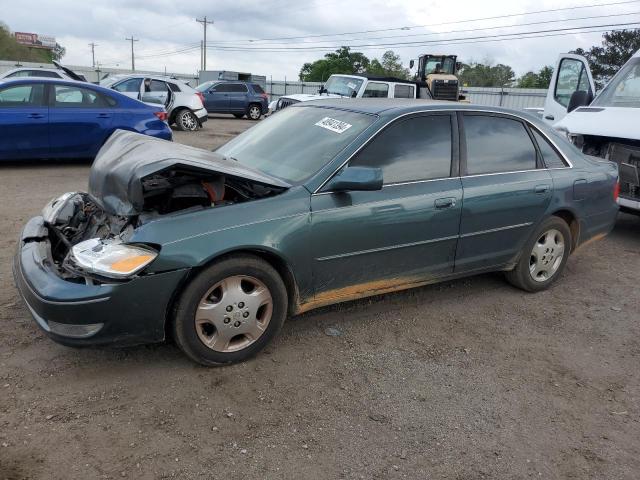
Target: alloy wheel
{"x": 188, "y": 121}
{"x": 547, "y": 255}
{"x": 254, "y": 112}
{"x": 234, "y": 313}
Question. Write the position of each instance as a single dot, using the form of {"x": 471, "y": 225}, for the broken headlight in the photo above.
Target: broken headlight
{"x": 112, "y": 259}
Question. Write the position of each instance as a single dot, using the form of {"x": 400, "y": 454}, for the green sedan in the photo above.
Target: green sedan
{"x": 324, "y": 202}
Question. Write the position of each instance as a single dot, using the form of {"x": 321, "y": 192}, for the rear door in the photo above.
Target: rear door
{"x": 79, "y": 120}
{"x": 571, "y": 74}
{"x": 24, "y": 121}
{"x": 506, "y": 190}
{"x": 155, "y": 91}
{"x": 405, "y": 233}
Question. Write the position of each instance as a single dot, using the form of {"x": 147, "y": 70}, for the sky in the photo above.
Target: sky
{"x": 169, "y": 36}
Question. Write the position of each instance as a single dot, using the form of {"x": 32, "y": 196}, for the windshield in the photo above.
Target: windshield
{"x": 439, "y": 65}
{"x": 296, "y": 142}
{"x": 204, "y": 86}
{"x": 624, "y": 88}
{"x": 344, "y": 86}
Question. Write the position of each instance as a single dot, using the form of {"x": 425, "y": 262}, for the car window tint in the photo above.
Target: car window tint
{"x": 44, "y": 73}
{"x": 130, "y": 85}
{"x": 156, "y": 86}
{"x": 417, "y": 148}
{"x": 238, "y": 88}
{"x": 497, "y": 144}
{"x": 31, "y": 95}
{"x": 70, "y": 96}
{"x": 174, "y": 87}
{"x": 550, "y": 156}
{"x": 257, "y": 88}
{"x": 222, "y": 88}
{"x": 376, "y": 90}
{"x": 403, "y": 91}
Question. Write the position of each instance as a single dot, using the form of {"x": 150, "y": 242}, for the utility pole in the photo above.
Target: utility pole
{"x": 133, "y": 61}
{"x": 204, "y": 23}
{"x": 93, "y": 53}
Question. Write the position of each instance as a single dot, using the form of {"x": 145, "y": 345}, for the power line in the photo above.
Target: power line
{"x": 204, "y": 22}
{"x": 133, "y": 61}
{"x": 409, "y": 27}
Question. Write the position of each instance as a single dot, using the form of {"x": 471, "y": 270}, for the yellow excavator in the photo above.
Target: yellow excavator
{"x": 437, "y": 75}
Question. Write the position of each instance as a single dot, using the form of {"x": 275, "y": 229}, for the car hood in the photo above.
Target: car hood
{"x": 115, "y": 180}
{"x": 603, "y": 122}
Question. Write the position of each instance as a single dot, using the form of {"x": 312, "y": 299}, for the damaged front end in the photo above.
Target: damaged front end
{"x": 134, "y": 180}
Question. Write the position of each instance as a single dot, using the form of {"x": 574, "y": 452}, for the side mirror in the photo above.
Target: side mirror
{"x": 579, "y": 98}
{"x": 458, "y": 66}
{"x": 321, "y": 90}
{"x": 411, "y": 64}
{"x": 355, "y": 179}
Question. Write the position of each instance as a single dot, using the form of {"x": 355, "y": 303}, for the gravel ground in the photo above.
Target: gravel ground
{"x": 463, "y": 380}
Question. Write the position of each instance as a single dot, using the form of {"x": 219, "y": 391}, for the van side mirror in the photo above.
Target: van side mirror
{"x": 579, "y": 98}
{"x": 355, "y": 179}
{"x": 411, "y": 63}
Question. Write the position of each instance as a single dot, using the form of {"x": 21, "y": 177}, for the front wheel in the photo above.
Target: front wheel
{"x": 544, "y": 256}
{"x": 254, "y": 112}
{"x": 230, "y": 311}
{"x": 186, "y": 121}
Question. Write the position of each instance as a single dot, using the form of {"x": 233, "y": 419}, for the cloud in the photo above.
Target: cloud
{"x": 164, "y": 27}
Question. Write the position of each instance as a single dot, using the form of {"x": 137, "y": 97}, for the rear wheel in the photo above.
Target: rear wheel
{"x": 238, "y": 115}
{"x": 230, "y": 311}
{"x": 254, "y": 112}
{"x": 186, "y": 121}
{"x": 544, "y": 256}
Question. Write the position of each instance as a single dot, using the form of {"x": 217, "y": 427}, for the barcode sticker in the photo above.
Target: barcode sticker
{"x": 334, "y": 125}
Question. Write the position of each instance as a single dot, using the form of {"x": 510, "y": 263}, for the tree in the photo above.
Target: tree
{"x": 485, "y": 75}
{"x": 542, "y": 79}
{"x": 389, "y": 66}
{"x": 342, "y": 60}
{"x": 617, "y": 47}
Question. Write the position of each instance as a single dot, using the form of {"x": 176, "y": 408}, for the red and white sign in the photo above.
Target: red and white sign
{"x": 35, "y": 40}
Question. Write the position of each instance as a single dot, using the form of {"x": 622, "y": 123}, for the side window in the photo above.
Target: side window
{"x": 174, "y": 87}
{"x": 257, "y": 88}
{"x": 130, "y": 85}
{"x": 403, "y": 91}
{"x": 376, "y": 90}
{"x": 43, "y": 73}
{"x": 151, "y": 85}
{"x": 572, "y": 76}
{"x": 238, "y": 88}
{"x": 30, "y": 95}
{"x": 222, "y": 88}
{"x": 550, "y": 156}
{"x": 497, "y": 144}
{"x": 66, "y": 96}
{"x": 417, "y": 148}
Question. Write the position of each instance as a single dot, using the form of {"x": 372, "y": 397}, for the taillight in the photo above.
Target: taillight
{"x": 161, "y": 115}
{"x": 264, "y": 95}
{"x": 200, "y": 96}
{"x": 616, "y": 190}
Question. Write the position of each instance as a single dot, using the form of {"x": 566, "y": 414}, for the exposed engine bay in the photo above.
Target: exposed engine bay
{"x": 624, "y": 152}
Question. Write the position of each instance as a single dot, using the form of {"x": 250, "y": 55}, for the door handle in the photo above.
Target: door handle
{"x": 104, "y": 115}
{"x": 549, "y": 117}
{"x": 541, "y": 188}
{"x": 445, "y": 202}
{"x": 35, "y": 115}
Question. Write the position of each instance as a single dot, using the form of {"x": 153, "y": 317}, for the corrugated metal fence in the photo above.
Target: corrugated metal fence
{"x": 516, "y": 98}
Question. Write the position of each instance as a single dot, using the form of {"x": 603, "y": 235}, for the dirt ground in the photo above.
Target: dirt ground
{"x": 469, "y": 379}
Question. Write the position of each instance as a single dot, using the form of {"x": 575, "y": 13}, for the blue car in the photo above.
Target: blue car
{"x": 50, "y": 118}
{"x": 237, "y": 98}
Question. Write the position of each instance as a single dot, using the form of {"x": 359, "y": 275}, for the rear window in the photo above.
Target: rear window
{"x": 297, "y": 142}
{"x": 174, "y": 87}
{"x": 257, "y": 88}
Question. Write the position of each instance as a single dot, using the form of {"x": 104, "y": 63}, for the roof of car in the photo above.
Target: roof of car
{"x": 391, "y": 106}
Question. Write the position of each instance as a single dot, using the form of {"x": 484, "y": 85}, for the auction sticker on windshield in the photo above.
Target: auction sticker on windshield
{"x": 334, "y": 125}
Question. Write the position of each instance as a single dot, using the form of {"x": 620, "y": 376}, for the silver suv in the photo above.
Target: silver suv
{"x": 184, "y": 104}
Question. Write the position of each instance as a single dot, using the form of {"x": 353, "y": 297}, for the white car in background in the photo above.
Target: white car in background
{"x": 184, "y": 104}
{"x": 607, "y": 126}
{"x": 60, "y": 72}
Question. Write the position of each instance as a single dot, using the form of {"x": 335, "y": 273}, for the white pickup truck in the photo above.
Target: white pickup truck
{"x": 353, "y": 86}
{"x": 607, "y": 126}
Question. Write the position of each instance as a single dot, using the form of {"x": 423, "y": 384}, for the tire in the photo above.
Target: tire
{"x": 213, "y": 309}
{"x": 254, "y": 111}
{"x": 540, "y": 264}
{"x": 238, "y": 115}
{"x": 186, "y": 121}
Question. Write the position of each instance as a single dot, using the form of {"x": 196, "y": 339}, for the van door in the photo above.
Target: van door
{"x": 571, "y": 74}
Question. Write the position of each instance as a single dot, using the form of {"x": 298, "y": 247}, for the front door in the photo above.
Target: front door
{"x": 571, "y": 74}
{"x": 24, "y": 122}
{"x": 216, "y": 99}
{"x": 79, "y": 120}
{"x": 406, "y": 233}
{"x": 131, "y": 87}
{"x": 506, "y": 190}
